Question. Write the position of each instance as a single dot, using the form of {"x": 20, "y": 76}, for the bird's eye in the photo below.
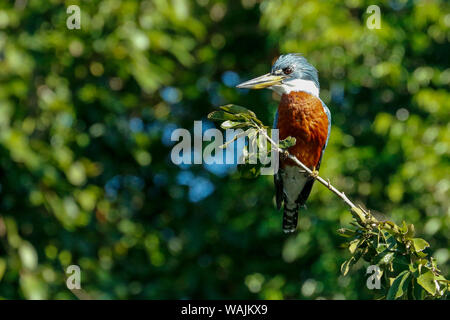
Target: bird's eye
{"x": 287, "y": 70}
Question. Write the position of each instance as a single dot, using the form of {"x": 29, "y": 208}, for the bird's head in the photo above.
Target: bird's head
{"x": 291, "y": 72}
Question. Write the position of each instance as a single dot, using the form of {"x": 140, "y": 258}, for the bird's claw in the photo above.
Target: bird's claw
{"x": 284, "y": 155}
{"x": 314, "y": 173}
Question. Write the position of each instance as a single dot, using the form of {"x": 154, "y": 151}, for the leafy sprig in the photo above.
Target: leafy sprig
{"x": 406, "y": 266}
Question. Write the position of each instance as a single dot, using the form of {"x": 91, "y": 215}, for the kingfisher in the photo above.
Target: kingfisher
{"x": 303, "y": 115}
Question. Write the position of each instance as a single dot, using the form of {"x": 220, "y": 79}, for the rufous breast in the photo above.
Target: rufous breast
{"x": 302, "y": 116}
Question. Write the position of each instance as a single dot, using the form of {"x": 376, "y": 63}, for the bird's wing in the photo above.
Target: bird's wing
{"x": 328, "y": 113}
{"x": 277, "y": 179}
{"x": 303, "y": 196}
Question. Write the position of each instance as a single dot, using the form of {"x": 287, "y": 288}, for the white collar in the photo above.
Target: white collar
{"x": 296, "y": 85}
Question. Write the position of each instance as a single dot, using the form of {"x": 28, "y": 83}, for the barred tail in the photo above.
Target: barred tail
{"x": 290, "y": 218}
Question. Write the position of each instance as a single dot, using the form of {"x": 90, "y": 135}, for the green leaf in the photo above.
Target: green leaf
{"x": 427, "y": 282}
{"x": 234, "y": 109}
{"x": 418, "y": 292}
{"x": 345, "y": 266}
{"x": 399, "y": 286}
{"x": 221, "y": 116}
{"x": 400, "y": 263}
{"x": 411, "y": 231}
{"x": 346, "y": 232}
{"x": 419, "y": 244}
{"x": 442, "y": 279}
{"x": 404, "y": 228}
{"x": 353, "y": 245}
{"x": 385, "y": 258}
{"x": 391, "y": 242}
{"x": 233, "y": 124}
{"x": 368, "y": 254}
{"x": 287, "y": 143}
{"x": 360, "y": 217}
{"x": 381, "y": 247}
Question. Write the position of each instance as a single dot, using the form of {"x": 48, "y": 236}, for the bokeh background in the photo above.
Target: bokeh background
{"x": 86, "y": 118}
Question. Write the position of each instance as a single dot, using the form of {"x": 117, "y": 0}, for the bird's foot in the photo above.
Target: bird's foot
{"x": 284, "y": 155}
{"x": 314, "y": 173}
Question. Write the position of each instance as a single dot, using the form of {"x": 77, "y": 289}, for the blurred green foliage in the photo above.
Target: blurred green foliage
{"x": 85, "y": 123}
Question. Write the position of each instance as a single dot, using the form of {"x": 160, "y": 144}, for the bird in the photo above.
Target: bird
{"x": 303, "y": 115}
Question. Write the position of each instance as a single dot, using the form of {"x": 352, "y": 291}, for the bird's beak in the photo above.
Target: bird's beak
{"x": 262, "y": 82}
